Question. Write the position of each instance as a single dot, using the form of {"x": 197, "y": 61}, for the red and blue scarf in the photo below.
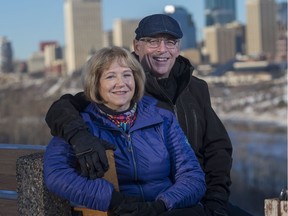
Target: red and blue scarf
{"x": 123, "y": 120}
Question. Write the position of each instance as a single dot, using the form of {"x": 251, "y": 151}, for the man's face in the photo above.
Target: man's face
{"x": 157, "y": 54}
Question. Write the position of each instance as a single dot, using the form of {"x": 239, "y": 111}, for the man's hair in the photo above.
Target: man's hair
{"x": 101, "y": 61}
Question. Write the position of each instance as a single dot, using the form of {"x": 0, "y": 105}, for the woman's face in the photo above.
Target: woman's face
{"x": 117, "y": 87}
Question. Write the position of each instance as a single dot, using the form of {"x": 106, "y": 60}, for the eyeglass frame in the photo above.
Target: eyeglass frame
{"x": 158, "y": 40}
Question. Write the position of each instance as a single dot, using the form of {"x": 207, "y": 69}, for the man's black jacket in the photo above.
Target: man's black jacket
{"x": 192, "y": 106}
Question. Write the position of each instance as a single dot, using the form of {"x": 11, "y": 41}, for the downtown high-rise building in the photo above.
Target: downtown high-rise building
{"x": 6, "y": 56}
{"x": 187, "y": 25}
{"x": 219, "y": 12}
{"x": 123, "y": 32}
{"x": 83, "y": 31}
{"x": 281, "y": 43}
{"x": 261, "y": 28}
{"x": 282, "y": 19}
{"x": 220, "y": 43}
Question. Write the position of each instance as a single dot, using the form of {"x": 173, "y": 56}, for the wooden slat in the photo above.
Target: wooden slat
{"x": 90, "y": 212}
{"x": 275, "y": 207}
{"x": 8, "y": 207}
{"x": 8, "y": 182}
{"x": 111, "y": 174}
{"x": 8, "y": 158}
{"x": 283, "y": 208}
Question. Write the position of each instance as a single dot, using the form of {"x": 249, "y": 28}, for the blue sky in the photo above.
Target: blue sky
{"x": 27, "y": 22}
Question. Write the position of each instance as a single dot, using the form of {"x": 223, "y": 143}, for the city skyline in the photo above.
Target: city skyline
{"x": 28, "y": 23}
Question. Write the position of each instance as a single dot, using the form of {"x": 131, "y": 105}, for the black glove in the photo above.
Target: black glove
{"x": 63, "y": 116}
{"x": 91, "y": 154}
{"x": 141, "y": 209}
{"x": 215, "y": 208}
{"x": 119, "y": 199}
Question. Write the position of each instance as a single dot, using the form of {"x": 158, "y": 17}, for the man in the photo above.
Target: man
{"x": 170, "y": 80}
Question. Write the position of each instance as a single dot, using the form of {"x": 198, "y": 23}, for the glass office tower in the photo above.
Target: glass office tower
{"x": 187, "y": 25}
{"x": 219, "y": 12}
{"x": 6, "y": 56}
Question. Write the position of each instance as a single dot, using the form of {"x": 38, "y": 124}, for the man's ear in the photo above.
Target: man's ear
{"x": 136, "y": 46}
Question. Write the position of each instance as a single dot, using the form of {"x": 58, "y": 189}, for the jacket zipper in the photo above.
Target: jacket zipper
{"x": 175, "y": 111}
{"x": 174, "y": 108}
{"x": 130, "y": 149}
{"x": 195, "y": 127}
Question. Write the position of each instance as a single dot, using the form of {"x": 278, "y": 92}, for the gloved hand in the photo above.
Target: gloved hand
{"x": 119, "y": 199}
{"x": 141, "y": 209}
{"x": 215, "y": 208}
{"x": 91, "y": 154}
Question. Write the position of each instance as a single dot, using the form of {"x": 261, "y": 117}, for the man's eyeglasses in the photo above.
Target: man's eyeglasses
{"x": 155, "y": 42}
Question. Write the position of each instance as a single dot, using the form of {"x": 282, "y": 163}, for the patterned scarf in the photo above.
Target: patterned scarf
{"x": 124, "y": 120}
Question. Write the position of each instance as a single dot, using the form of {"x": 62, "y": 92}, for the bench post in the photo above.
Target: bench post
{"x": 33, "y": 196}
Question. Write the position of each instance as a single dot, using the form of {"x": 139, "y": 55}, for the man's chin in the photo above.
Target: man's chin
{"x": 161, "y": 74}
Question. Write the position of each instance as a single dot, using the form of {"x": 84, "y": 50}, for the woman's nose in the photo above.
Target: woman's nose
{"x": 120, "y": 81}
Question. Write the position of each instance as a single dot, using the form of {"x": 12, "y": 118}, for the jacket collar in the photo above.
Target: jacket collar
{"x": 181, "y": 72}
{"x": 145, "y": 109}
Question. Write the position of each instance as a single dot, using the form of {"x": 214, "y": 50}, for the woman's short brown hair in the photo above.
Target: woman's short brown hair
{"x": 101, "y": 61}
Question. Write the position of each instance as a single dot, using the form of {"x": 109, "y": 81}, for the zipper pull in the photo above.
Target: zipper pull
{"x": 129, "y": 143}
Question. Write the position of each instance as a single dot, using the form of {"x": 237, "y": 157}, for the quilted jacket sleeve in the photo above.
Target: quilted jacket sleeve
{"x": 62, "y": 178}
{"x": 189, "y": 179}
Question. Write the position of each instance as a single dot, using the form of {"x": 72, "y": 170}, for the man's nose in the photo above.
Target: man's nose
{"x": 162, "y": 46}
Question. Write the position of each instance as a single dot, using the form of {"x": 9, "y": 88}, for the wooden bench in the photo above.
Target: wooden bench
{"x": 35, "y": 199}
{"x": 275, "y": 207}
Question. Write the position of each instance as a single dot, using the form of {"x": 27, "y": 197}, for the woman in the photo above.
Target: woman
{"x": 154, "y": 161}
